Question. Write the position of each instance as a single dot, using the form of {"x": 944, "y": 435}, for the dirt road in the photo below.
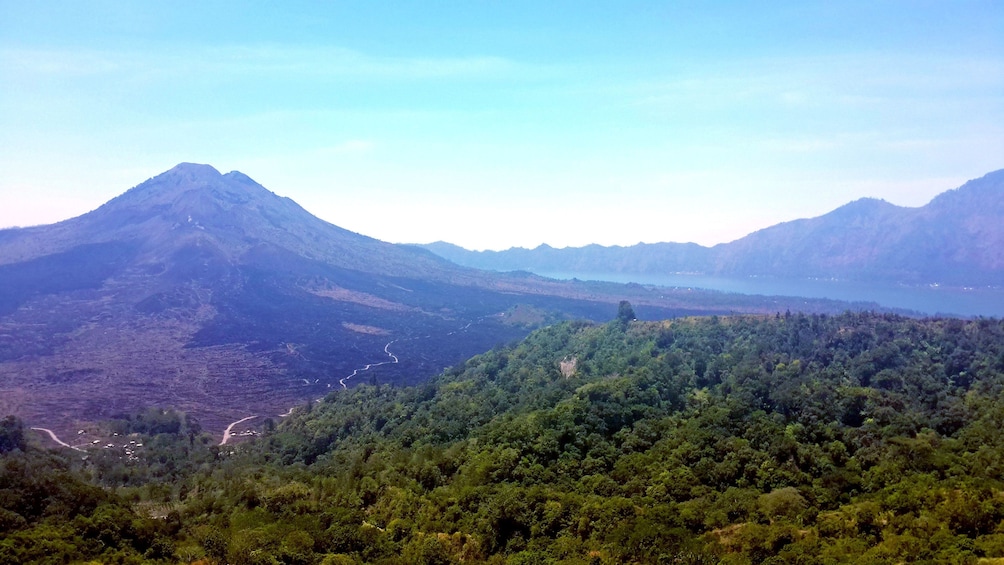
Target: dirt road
{"x": 56, "y": 439}
{"x": 230, "y": 428}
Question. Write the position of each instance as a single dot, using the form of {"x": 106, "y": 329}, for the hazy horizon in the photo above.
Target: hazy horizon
{"x": 494, "y": 126}
{"x": 501, "y": 248}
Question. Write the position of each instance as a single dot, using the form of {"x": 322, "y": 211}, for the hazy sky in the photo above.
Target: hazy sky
{"x": 505, "y": 123}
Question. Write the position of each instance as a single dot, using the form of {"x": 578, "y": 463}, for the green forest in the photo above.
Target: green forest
{"x": 858, "y": 438}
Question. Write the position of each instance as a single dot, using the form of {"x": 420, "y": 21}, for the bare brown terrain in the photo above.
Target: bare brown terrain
{"x": 345, "y": 295}
{"x": 117, "y": 362}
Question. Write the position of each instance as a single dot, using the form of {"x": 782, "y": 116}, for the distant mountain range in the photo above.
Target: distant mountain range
{"x": 956, "y": 239}
{"x": 208, "y": 293}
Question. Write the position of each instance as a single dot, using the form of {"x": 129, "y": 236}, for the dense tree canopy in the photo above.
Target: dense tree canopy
{"x": 787, "y": 439}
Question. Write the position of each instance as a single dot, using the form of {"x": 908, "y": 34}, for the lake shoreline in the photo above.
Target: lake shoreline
{"x": 931, "y": 300}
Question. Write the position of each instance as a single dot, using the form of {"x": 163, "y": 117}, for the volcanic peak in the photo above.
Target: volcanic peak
{"x": 190, "y": 179}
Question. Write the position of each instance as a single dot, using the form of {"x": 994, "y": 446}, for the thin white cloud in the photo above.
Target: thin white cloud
{"x": 851, "y": 80}
{"x": 349, "y": 146}
{"x": 47, "y": 62}
{"x": 260, "y": 60}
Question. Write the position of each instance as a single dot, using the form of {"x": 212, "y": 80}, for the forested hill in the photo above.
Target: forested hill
{"x": 782, "y": 439}
{"x": 695, "y": 440}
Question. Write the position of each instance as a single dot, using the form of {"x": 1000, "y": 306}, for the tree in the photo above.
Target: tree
{"x": 625, "y": 313}
{"x": 11, "y": 434}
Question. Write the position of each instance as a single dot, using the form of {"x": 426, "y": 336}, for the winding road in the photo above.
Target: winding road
{"x": 227, "y": 433}
{"x": 386, "y": 349}
{"x": 56, "y": 439}
{"x": 394, "y": 359}
{"x": 230, "y": 428}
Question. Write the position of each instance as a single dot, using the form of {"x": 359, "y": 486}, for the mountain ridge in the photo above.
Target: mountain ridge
{"x": 956, "y": 239}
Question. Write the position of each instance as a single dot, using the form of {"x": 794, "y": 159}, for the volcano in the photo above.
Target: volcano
{"x": 208, "y": 293}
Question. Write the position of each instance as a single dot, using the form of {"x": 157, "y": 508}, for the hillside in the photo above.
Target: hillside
{"x": 782, "y": 439}
{"x": 956, "y": 239}
{"x": 207, "y": 292}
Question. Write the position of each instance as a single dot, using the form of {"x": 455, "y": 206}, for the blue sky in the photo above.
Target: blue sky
{"x": 498, "y": 124}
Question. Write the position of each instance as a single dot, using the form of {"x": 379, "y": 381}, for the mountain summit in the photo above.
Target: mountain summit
{"x": 225, "y": 216}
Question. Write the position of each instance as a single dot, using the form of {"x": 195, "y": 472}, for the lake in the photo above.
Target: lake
{"x": 985, "y": 301}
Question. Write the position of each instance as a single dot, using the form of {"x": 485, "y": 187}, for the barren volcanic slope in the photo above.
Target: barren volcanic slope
{"x": 208, "y": 293}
